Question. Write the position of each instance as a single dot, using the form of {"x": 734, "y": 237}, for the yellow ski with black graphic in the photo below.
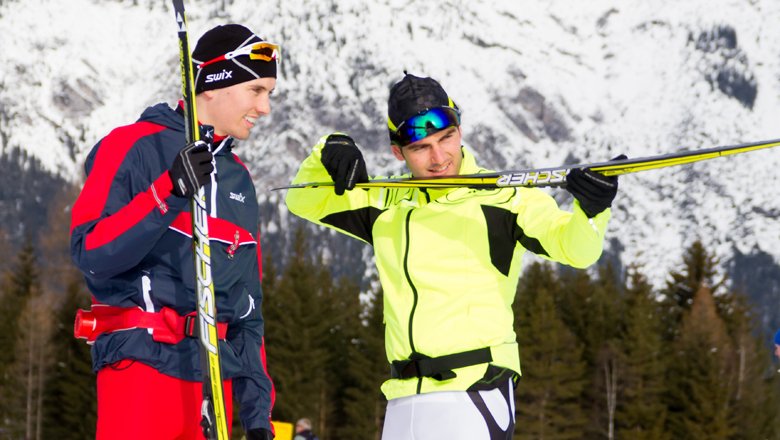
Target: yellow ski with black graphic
{"x": 555, "y": 176}
{"x": 214, "y": 415}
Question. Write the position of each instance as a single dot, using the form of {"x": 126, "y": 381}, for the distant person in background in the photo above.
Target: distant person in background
{"x": 131, "y": 236}
{"x": 303, "y": 430}
{"x": 777, "y": 344}
{"x": 449, "y": 260}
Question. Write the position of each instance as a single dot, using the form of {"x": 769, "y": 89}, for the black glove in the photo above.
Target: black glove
{"x": 259, "y": 434}
{"x": 191, "y": 169}
{"x": 342, "y": 158}
{"x": 595, "y": 191}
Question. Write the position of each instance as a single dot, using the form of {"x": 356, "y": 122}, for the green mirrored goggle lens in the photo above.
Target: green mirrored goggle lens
{"x": 425, "y": 124}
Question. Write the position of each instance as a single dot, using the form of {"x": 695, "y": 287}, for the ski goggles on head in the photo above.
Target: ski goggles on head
{"x": 424, "y": 124}
{"x": 262, "y": 51}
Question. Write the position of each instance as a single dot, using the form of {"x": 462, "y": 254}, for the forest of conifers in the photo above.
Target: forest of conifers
{"x": 604, "y": 354}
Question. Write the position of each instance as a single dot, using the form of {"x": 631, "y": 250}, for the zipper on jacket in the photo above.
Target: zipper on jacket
{"x": 414, "y": 293}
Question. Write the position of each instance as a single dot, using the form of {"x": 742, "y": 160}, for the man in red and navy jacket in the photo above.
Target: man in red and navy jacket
{"x": 131, "y": 236}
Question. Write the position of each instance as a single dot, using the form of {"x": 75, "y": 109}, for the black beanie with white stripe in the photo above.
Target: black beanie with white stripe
{"x": 225, "y": 73}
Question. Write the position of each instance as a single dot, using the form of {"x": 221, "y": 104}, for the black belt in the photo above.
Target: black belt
{"x": 439, "y": 368}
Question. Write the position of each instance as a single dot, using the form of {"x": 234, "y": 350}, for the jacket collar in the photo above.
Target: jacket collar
{"x": 467, "y": 166}
{"x": 204, "y": 129}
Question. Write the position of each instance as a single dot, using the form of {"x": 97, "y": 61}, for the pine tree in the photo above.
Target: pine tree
{"x": 548, "y": 394}
{"x": 70, "y": 403}
{"x": 699, "y": 269}
{"x": 5, "y": 243}
{"x": 641, "y": 413}
{"x": 348, "y": 344}
{"x": 341, "y": 304}
{"x": 56, "y": 265}
{"x": 20, "y": 285}
{"x": 755, "y": 405}
{"x": 591, "y": 309}
{"x": 317, "y": 343}
{"x": 364, "y": 404}
{"x": 773, "y": 383}
{"x": 269, "y": 281}
{"x": 573, "y": 302}
{"x": 718, "y": 385}
{"x": 297, "y": 331}
{"x": 33, "y": 364}
{"x": 700, "y": 375}
{"x": 574, "y": 292}
{"x": 600, "y": 335}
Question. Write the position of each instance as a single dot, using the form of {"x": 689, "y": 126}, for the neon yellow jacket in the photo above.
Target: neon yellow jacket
{"x": 449, "y": 261}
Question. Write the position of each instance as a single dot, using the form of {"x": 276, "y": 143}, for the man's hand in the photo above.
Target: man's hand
{"x": 344, "y": 162}
{"x": 191, "y": 169}
{"x": 594, "y": 191}
{"x": 259, "y": 434}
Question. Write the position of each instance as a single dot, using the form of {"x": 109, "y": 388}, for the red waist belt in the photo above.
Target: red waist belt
{"x": 167, "y": 326}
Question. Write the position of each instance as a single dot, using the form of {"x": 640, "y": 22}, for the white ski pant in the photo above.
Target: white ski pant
{"x": 452, "y": 415}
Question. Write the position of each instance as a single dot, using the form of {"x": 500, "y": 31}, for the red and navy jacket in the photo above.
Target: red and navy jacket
{"x": 132, "y": 239}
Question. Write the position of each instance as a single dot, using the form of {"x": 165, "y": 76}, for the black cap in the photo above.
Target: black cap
{"x": 219, "y": 41}
{"x": 413, "y": 95}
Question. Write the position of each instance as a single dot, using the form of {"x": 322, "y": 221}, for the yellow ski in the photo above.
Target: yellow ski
{"x": 555, "y": 176}
{"x": 214, "y": 415}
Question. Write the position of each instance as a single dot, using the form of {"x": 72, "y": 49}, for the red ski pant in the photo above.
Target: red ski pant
{"x": 135, "y": 401}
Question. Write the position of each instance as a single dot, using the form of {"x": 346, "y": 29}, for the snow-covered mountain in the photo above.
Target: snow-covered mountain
{"x": 541, "y": 83}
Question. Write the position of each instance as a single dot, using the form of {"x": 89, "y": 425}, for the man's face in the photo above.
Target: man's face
{"x": 777, "y": 350}
{"x": 233, "y": 111}
{"x": 436, "y": 155}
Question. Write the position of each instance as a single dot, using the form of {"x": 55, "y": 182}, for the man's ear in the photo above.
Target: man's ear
{"x": 397, "y": 152}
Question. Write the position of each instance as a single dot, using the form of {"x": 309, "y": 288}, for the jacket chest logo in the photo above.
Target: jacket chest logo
{"x": 239, "y": 197}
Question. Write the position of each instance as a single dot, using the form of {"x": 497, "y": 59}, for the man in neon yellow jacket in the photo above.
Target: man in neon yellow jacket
{"x": 449, "y": 262}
